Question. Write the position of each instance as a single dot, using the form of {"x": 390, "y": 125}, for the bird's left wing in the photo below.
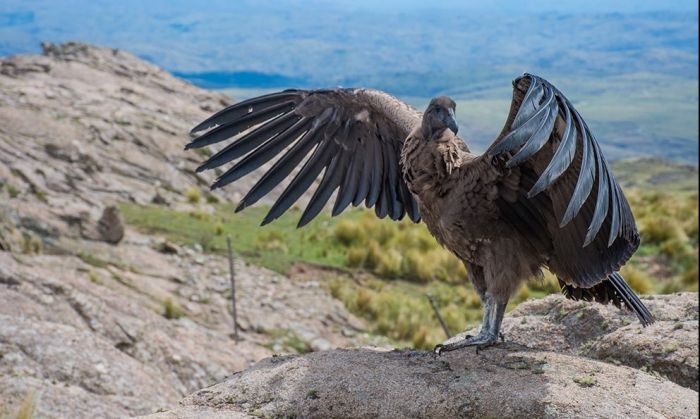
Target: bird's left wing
{"x": 566, "y": 192}
{"x": 353, "y": 135}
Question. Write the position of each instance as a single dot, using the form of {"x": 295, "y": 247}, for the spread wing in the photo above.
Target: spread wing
{"x": 565, "y": 195}
{"x": 353, "y": 136}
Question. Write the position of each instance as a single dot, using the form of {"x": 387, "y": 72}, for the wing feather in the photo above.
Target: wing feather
{"x": 353, "y": 136}
{"x": 569, "y": 197}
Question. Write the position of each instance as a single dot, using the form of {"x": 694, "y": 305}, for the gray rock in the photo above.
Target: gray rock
{"x": 668, "y": 347}
{"x": 111, "y": 225}
{"x": 509, "y": 381}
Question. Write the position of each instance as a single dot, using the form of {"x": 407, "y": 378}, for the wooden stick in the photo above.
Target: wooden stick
{"x": 439, "y": 317}
{"x": 233, "y": 287}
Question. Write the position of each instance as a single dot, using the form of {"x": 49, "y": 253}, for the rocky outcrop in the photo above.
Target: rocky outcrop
{"x": 509, "y": 381}
{"x": 83, "y": 128}
{"x": 560, "y": 359}
{"x": 668, "y": 348}
{"x": 125, "y": 330}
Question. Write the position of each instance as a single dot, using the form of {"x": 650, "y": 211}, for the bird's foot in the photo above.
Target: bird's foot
{"x": 480, "y": 341}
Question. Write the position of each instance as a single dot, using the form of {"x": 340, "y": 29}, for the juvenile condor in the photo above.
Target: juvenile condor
{"x": 541, "y": 196}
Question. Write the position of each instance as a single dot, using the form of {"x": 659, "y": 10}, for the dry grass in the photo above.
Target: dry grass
{"x": 172, "y": 310}
{"x": 397, "y": 250}
{"x": 193, "y": 195}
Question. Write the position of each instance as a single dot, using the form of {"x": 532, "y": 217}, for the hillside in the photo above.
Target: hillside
{"x": 114, "y": 288}
{"x": 93, "y": 328}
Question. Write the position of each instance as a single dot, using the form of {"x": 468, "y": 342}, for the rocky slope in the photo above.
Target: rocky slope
{"x": 560, "y": 359}
{"x": 97, "y": 320}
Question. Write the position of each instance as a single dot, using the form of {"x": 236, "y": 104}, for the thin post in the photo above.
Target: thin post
{"x": 233, "y": 287}
{"x": 439, "y": 317}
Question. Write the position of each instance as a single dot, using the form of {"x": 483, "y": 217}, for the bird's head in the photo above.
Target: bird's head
{"x": 439, "y": 116}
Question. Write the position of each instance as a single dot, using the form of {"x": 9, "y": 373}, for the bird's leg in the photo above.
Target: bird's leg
{"x": 490, "y": 328}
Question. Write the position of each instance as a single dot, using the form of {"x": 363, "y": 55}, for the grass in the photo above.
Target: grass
{"x": 405, "y": 263}
{"x": 171, "y": 310}
{"x": 276, "y": 246}
{"x": 289, "y": 340}
{"x": 92, "y": 260}
{"x": 585, "y": 381}
{"x": 12, "y": 191}
{"x": 193, "y": 195}
{"x": 25, "y": 409}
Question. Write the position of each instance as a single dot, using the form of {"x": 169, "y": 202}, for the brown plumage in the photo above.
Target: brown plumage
{"x": 541, "y": 196}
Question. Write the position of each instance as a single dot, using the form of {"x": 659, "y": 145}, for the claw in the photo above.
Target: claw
{"x": 481, "y": 341}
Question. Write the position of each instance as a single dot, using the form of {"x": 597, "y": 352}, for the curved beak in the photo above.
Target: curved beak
{"x": 452, "y": 122}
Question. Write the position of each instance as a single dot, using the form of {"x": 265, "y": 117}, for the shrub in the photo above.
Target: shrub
{"x": 417, "y": 267}
{"x": 12, "y": 191}
{"x": 193, "y": 195}
{"x": 172, "y": 310}
{"x": 636, "y": 279}
{"x": 389, "y": 265}
{"x": 661, "y": 229}
{"x": 349, "y": 233}
{"x": 271, "y": 241}
{"x": 356, "y": 257}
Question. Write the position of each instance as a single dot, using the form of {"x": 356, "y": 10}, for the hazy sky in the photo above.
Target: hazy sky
{"x": 528, "y": 6}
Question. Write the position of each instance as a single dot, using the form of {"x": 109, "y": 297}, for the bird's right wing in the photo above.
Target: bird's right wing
{"x": 353, "y": 135}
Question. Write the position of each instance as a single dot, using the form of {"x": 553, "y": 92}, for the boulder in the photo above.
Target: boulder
{"x": 507, "y": 381}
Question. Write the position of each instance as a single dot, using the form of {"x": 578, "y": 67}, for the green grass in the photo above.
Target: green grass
{"x": 406, "y": 263}
{"x": 171, "y": 310}
{"x": 276, "y": 246}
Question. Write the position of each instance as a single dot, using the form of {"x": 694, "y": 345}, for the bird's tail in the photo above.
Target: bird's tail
{"x": 630, "y": 299}
{"x": 613, "y": 290}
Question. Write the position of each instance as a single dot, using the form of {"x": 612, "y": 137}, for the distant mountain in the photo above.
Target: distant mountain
{"x": 632, "y": 71}
{"x": 324, "y": 43}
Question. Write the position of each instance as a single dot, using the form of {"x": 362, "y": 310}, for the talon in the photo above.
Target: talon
{"x": 438, "y": 349}
{"x": 500, "y": 335}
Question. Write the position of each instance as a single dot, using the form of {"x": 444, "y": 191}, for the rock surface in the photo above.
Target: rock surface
{"x": 669, "y": 347}
{"x": 509, "y": 381}
{"x": 83, "y": 128}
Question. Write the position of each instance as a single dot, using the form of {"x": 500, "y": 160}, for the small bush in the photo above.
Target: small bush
{"x": 660, "y": 229}
{"x": 94, "y": 277}
{"x": 31, "y": 244}
{"x": 349, "y": 233}
{"x": 271, "y": 241}
{"x": 12, "y": 191}
{"x": 193, "y": 195}
{"x": 356, "y": 257}
{"x": 172, "y": 310}
{"x": 522, "y": 295}
{"x": 363, "y": 300}
{"x": 636, "y": 279}
{"x": 417, "y": 267}
{"x": 389, "y": 265}
{"x": 200, "y": 215}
